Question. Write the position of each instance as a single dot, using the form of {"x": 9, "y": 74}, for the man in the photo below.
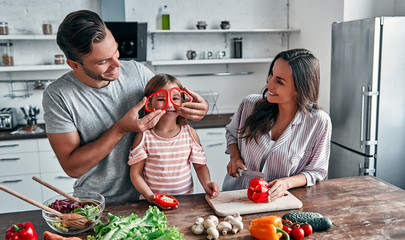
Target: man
{"x": 91, "y": 113}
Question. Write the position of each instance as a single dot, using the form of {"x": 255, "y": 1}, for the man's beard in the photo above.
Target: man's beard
{"x": 95, "y": 75}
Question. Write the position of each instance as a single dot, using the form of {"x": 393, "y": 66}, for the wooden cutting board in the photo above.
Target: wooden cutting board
{"x": 230, "y": 202}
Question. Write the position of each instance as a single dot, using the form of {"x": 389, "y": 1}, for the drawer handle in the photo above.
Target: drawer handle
{"x": 215, "y": 144}
{"x": 12, "y": 181}
{"x": 63, "y": 177}
{"x": 9, "y": 145}
{"x": 215, "y": 133}
{"x": 9, "y": 159}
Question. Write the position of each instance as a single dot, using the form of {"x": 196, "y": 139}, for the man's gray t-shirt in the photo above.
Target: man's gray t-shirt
{"x": 70, "y": 105}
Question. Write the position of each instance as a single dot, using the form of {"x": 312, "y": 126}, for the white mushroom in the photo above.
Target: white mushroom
{"x": 214, "y": 219}
{"x": 237, "y": 225}
{"x": 224, "y": 227}
{"x": 238, "y": 216}
{"x": 209, "y": 223}
{"x": 199, "y": 220}
{"x": 197, "y": 229}
{"x": 212, "y": 233}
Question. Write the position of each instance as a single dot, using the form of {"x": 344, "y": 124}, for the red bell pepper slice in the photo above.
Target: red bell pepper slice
{"x": 21, "y": 231}
{"x": 156, "y": 94}
{"x": 258, "y": 190}
{"x": 166, "y": 200}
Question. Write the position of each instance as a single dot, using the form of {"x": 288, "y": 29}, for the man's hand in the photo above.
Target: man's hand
{"x": 196, "y": 109}
{"x": 132, "y": 123}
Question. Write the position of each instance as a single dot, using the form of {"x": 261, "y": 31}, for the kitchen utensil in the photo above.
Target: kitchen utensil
{"x": 225, "y": 25}
{"x": 74, "y": 220}
{"x": 206, "y": 55}
{"x": 230, "y": 202}
{"x": 221, "y": 54}
{"x": 191, "y": 54}
{"x": 202, "y": 25}
{"x": 83, "y": 203}
{"x": 237, "y": 47}
{"x": 250, "y": 173}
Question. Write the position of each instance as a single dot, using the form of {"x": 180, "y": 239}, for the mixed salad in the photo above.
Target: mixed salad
{"x": 68, "y": 206}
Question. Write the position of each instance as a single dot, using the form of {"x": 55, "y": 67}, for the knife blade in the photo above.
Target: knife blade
{"x": 250, "y": 173}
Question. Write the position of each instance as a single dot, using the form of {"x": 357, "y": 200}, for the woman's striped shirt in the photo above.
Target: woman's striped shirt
{"x": 167, "y": 161}
{"x": 304, "y": 146}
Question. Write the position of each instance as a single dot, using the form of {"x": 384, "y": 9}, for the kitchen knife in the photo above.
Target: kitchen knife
{"x": 250, "y": 173}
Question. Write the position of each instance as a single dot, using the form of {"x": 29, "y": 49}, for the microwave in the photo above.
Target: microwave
{"x": 131, "y": 38}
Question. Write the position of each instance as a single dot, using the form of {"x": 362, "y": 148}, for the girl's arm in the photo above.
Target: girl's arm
{"x": 139, "y": 183}
{"x": 203, "y": 174}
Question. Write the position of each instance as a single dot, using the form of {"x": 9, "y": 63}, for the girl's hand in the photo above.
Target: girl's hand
{"x": 151, "y": 200}
{"x": 233, "y": 166}
{"x": 212, "y": 189}
{"x": 277, "y": 188}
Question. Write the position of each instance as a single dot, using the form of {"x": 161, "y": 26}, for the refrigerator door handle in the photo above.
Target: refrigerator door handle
{"x": 365, "y": 94}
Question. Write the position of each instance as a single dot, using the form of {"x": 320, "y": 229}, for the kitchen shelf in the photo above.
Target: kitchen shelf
{"x": 27, "y": 37}
{"x": 208, "y": 61}
{"x": 23, "y": 68}
{"x": 224, "y": 31}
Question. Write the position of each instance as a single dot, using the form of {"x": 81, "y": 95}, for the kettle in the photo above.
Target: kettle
{"x": 191, "y": 54}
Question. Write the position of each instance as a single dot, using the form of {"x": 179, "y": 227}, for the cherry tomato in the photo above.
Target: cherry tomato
{"x": 287, "y": 222}
{"x": 307, "y": 229}
{"x": 298, "y": 233}
{"x": 287, "y": 229}
{"x": 295, "y": 225}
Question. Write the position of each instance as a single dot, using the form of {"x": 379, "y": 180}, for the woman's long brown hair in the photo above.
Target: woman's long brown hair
{"x": 306, "y": 75}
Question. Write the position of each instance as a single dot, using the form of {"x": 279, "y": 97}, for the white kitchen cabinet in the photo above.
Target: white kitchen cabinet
{"x": 20, "y": 160}
{"x": 214, "y": 144}
{"x": 51, "y": 171}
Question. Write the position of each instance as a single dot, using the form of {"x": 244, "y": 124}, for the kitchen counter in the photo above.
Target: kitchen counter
{"x": 209, "y": 121}
{"x": 359, "y": 207}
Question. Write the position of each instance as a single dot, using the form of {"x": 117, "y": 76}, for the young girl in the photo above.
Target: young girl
{"x": 160, "y": 157}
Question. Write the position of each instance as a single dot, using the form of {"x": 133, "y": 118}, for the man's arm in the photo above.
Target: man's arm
{"x": 76, "y": 160}
{"x": 196, "y": 109}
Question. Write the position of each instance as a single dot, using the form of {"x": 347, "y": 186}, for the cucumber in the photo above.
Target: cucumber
{"x": 316, "y": 220}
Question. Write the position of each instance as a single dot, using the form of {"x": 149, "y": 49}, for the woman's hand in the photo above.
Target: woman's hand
{"x": 235, "y": 161}
{"x": 212, "y": 189}
{"x": 277, "y": 188}
{"x": 196, "y": 109}
{"x": 233, "y": 166}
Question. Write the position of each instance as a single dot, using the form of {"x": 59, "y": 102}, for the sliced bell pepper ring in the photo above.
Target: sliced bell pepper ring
{"x": 166, "y": 200}
{"x": 21, "y": 231}
{"x": 258, "y": 190}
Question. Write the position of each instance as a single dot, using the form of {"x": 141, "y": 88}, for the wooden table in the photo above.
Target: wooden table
{"x": 360, "y": 208}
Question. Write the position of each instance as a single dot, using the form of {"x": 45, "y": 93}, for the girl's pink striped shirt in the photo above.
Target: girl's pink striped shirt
{"x": 167, "y": 167}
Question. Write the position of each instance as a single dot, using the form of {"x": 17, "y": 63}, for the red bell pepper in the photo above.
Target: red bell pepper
{"x": 166, "y": 200}
{"x": 258, "y": 190}
{"x": 21, "y": 231}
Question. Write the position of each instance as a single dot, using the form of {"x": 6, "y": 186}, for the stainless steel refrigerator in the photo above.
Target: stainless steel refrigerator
{"x": 367, "y": 104}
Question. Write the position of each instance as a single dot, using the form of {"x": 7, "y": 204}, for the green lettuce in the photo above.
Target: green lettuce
{"x": 152, "y": 225}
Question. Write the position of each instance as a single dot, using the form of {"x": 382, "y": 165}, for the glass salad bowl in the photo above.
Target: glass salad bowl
{"x": 88, "y": 214}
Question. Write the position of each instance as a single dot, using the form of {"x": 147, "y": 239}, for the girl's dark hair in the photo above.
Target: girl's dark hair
{"x": 159, "y": 81}
{"x": 77, "y": 33}
{"x": 306, "y": 75}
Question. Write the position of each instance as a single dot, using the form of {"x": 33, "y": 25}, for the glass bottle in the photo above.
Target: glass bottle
{"x": 237, "y": 47}
{"x": 6, "y": 52}
{"x": 165, "y": 18}
{"x": 3, "y": 28}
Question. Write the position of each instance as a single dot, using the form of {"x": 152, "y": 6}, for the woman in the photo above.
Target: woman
{"x": 282, "y": 133}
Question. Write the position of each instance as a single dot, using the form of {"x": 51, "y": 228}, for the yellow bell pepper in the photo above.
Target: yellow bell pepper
{"x": 268, "y": 228}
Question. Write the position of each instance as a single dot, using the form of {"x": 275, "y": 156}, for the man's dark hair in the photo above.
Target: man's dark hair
{"x": 77, "y": 33}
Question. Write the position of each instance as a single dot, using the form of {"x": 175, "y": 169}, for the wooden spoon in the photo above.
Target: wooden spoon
{"x": 74, "y": 220}
{"x": 83, "y": 203}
